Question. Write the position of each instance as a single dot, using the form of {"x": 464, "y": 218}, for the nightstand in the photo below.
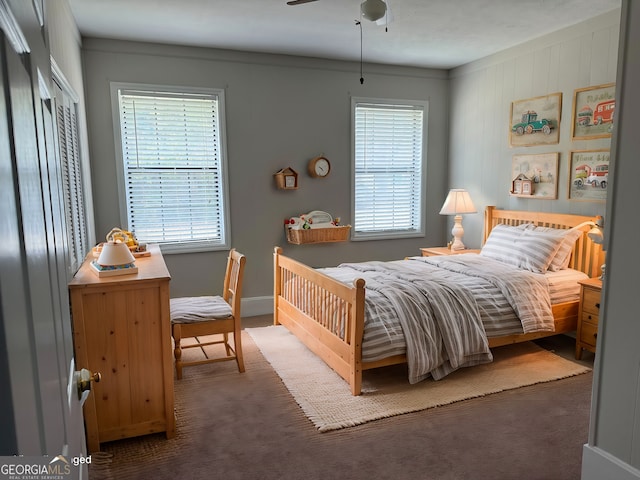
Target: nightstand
{"x": 588, "y": 315}
{"x": 433, "y": 251}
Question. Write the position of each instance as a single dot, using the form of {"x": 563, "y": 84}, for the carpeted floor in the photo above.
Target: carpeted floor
{"x": 327, "y": 401}
{"x": 248, "y": 426}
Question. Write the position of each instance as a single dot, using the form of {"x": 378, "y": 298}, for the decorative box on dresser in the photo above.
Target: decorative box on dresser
{"x": 588, "y": 315}
{"x": 121, "y": 329}
{"x": 433, "y": 251}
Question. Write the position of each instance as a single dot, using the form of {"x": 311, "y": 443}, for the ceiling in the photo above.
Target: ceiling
{"x": 422, "y": 33}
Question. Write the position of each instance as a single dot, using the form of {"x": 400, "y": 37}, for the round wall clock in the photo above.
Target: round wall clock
{"x": 319, "y": 167}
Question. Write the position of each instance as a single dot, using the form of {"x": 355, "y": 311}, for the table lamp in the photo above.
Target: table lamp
{"x": 458, "y": 202}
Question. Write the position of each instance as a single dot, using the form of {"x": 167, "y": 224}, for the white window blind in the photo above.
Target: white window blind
{"x": 173, "y": 167}
{"x": 388, "y": 171}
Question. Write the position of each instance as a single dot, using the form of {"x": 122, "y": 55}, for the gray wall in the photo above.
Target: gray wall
{"x": 614, "y": 441}
{"x": 281, "y": 111}
{"x": 64, "y": 44}
{"x": 481, "y": 95}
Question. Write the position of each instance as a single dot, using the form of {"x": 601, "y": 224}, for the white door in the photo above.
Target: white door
{"x": 42, "y": 414}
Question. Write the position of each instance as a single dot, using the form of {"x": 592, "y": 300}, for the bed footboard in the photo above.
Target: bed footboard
{"x": 325, "y": 314}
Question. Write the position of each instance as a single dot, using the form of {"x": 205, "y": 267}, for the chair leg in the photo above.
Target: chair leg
{"x": 227, "y": 347}
{"x": 177, "y": 351}
{"x": 238, "y": 346}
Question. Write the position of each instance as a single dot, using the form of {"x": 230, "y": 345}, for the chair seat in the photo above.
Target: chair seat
{"x": 199, "y": 309}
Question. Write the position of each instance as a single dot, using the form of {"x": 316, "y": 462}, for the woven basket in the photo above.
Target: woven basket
{"x": 318, "y": 235}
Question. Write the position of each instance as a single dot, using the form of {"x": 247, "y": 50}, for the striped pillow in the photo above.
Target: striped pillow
{"x": 563, "y": 255}
{"x": 522, "y": 247}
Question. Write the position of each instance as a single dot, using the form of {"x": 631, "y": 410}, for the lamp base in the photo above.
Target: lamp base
{"x": 457, "y": 231}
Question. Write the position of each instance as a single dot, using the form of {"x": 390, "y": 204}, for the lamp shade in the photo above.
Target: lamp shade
{"x": 115, "y": 253}
{"x": 458, "y": 201}
{"x": 373, "y": 9}
{"x": 596, "y": 234}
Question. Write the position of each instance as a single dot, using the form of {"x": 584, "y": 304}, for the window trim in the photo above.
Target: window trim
{"x": 190, "y": 247}
{"x": 420, "y": 232}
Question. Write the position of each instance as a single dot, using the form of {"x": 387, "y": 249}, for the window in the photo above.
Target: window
{"x": 388, "y": 178}
{"x": 173, "y": 166}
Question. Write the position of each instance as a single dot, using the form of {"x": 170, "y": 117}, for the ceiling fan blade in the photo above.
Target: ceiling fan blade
{"x": 300, "y": 2}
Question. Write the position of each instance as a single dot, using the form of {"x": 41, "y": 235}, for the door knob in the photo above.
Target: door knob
{"x": 83, "y": 380}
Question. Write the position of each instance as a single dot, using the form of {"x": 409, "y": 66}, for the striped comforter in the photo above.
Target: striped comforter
{"x": 436, "y": 309}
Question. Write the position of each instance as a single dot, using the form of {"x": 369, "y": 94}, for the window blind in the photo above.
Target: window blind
{"x": 173, "y": 168}
{"x": 388, "y": 179}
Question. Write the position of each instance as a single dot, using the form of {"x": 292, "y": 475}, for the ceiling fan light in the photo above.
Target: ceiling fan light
{"x": 373, "y": 9}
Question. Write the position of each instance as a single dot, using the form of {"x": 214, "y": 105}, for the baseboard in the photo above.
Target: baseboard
{"x": 257, "y": 306}
{"x": 598, "y": 465}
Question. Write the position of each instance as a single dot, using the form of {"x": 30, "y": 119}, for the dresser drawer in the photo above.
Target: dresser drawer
{"x": 591, "y": 301}
{"x": 589, "y": 332}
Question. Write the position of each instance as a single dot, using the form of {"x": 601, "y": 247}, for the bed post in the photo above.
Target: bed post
{"x": 488, "y": 220}
{"x": 277, "y": 285}
{"x": 357, "y": 329}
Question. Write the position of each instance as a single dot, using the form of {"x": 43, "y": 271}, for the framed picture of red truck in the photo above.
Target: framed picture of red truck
{"x": 589, "y": 175}
{"x": 593, "y": 112}
{"x": 535, "y": 121}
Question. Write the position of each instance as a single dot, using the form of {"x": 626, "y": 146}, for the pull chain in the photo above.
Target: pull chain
{"x": 358, "y": 23}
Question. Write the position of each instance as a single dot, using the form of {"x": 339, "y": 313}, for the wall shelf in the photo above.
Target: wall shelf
{"x": 318, "y": 235}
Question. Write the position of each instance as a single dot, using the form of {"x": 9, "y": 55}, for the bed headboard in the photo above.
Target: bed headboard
{"x": 587, "y": 256}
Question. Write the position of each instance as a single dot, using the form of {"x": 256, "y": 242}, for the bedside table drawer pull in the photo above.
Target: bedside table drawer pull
{"x": 598, "y": 305}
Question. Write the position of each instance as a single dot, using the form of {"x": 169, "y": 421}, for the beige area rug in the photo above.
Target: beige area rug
{"x": 326, "y": 399}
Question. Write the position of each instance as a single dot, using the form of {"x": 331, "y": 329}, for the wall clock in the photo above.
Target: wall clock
{"x": 319, "y": 167}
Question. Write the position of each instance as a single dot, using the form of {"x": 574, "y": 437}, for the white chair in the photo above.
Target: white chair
{"x": 211, "y": 315}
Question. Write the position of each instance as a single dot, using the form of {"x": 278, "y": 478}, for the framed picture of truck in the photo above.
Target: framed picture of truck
{"x": 535, "y": 121}
{"x": 593, "y": 112}
{"x": 589, "y": 175}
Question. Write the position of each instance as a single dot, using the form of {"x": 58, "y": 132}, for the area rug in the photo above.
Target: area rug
{"x": 326, "y": 398}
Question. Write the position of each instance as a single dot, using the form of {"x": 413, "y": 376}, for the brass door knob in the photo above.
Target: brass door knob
{"x": 84, "y": 378}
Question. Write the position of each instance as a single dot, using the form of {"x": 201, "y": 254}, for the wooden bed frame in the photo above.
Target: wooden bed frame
{"x": 328, "y": 315}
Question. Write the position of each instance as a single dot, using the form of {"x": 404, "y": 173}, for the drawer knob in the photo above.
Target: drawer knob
{"x": 598, "y": 305}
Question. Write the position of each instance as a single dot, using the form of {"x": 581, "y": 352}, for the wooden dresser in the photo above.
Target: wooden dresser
{"x": 588, "y": 315}
{"x": 121, "y": 329}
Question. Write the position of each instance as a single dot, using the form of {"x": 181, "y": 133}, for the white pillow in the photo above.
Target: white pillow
{"x": 563, "y": 255}
{"x": 522, "y": 247}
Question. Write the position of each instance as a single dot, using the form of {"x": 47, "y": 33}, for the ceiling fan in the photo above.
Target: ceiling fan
{"x": 373, "y": 10}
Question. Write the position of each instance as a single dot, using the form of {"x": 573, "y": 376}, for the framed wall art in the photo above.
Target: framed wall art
{"x": 535, "y": 121}
{"x": 593, "y": 112}
{"x": 589, "y": 175}
{"x": 535, "y": 176}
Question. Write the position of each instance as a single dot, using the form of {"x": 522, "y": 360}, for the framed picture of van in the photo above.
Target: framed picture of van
{"x": 589, "y": 175}
{"x": 593, "y": 112}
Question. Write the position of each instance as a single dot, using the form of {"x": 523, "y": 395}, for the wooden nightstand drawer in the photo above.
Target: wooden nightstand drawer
{"x": 591, "y": 301}
{"x": 588, "y": 315}
{"x": 590, "y": 318}
{"x": 589, "y": 333}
